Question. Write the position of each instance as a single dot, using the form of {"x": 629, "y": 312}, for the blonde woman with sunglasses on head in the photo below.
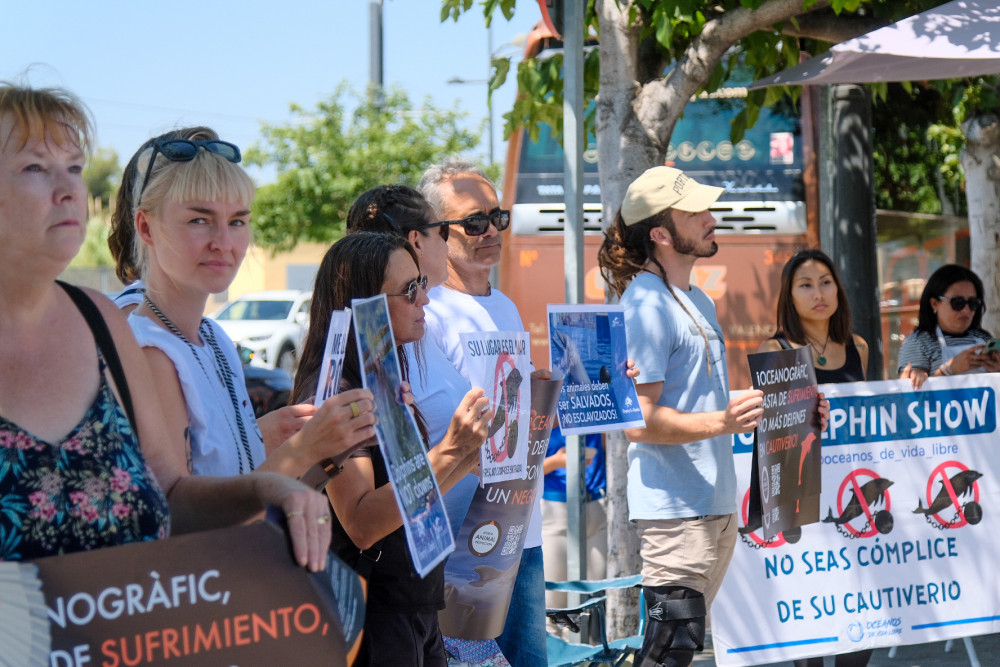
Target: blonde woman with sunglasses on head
{"x": 949, "y": 339}
{"x": 191, "y": 210}
{"x": 93, "y": 452}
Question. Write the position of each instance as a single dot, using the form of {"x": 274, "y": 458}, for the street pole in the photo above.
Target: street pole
{"x": 375, "y": 47}
{"x": 489, "y": 76}
{"x": 573, "y": 137}
{"x": 847, "y": 225}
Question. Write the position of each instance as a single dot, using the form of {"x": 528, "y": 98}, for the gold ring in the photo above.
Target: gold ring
{"x": 323, "y": 519}
{"x": 355, "y": 410}
{"x": 289, "y": 515}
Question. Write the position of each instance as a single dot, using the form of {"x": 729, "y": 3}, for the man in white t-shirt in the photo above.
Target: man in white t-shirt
{"x": 460, "y": 192}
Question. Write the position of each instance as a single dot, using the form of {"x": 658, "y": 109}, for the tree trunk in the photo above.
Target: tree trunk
{"x": 637, "y": 109}
{"x": 623, "y": 153}
{"x": 982, "y": 190}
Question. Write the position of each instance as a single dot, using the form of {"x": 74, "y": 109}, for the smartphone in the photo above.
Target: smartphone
{"x": 992, "y": 345}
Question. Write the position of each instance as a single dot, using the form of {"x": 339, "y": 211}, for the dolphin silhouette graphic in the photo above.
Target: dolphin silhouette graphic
{"x": 871, "y": 491}
{"x": 961, "y": 483}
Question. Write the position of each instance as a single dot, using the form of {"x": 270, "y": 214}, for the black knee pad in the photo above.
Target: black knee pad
{"x": 675, "y": 626}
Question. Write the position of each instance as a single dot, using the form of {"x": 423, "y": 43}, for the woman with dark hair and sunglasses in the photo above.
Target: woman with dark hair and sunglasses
{"x": 949, "y": 338}
{"x": 813, "y": 311}
{"x": 190, "y": 205}
{"x": 401, "y": 626}
{"x": 402, "y": 211}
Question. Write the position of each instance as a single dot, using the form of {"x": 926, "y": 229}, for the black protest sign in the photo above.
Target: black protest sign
{"x": 785, "y": 484}
{"x": 224, "y": 597}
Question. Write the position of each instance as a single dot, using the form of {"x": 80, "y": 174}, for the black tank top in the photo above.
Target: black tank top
{"x": 851, "y": 371}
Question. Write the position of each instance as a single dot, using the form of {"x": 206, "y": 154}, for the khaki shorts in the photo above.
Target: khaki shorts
{"x": 692, "y": 552}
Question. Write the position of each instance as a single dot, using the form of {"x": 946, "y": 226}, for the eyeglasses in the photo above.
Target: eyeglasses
{"x": 411, "y": 289}
{"x": 185, "y": 150}
{"x": 477, "y": 223}
{"x": 442, "y": 229}
{"x": 959, "y": 302}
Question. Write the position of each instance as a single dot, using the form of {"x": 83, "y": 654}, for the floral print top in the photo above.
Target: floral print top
{"x": 91, "y": 490}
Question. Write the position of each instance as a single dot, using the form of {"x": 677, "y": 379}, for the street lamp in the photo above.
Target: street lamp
{"x": 457, "y": 80}
{"x": 517, "y": 42}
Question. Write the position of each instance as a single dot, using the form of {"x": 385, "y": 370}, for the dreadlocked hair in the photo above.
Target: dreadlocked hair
{"x": 627, "y": 249}
{"x": 625, "y": 252}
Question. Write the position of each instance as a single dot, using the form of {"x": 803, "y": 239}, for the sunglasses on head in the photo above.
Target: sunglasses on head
{"x": 185, "y": 150}
{"x": 411, "y": 289}
{"x": 477, "y": 223}
{"x": 957, "y": 303}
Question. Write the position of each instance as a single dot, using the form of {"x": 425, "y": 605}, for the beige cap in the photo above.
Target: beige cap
{"x": 660, "y": 188}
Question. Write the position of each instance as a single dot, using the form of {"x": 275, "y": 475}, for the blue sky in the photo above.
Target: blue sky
{"x": 144, "y": 67}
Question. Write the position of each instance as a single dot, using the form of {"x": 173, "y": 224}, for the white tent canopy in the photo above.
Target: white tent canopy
{"x": 957, "y": 39}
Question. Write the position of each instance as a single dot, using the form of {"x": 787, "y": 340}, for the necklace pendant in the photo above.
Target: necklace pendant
{"x": 821, "y": 360}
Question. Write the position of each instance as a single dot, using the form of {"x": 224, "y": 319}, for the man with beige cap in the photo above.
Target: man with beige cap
{"x": 681, "y": 479}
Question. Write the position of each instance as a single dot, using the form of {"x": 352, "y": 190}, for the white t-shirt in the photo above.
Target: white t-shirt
{"x": 216, "y": 444}
{"x": 451, "y": 313}
{"x": 438, "y": 388}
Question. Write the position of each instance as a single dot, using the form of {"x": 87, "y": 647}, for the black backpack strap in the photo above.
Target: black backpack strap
{"x": 102, "y": 335}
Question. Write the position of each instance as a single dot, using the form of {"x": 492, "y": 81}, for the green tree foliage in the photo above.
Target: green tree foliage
{"x": 669, "y": 28}
{"x": 94, "y": 251}
{"x": 102, "y": 174}
{"x": 346, "y": 145}
{"x": 916, "y": 151}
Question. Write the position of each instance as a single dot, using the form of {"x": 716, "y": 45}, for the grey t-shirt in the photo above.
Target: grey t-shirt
{"x": 698, "y": 478}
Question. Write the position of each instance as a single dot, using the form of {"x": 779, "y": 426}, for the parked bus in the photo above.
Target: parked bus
{"x": 761, "y": 216}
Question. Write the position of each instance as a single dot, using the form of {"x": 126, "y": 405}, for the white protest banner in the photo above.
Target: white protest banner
{"x": 906, "y": 552}
{"x": 499, "y": 362}
{"x": 332, "y": 367}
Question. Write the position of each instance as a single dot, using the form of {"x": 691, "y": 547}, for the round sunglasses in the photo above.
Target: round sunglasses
{"x": 957, "y": 303}
{"x": 411, "y": 289}
{"x": 477, "y": 223}
{"x": 185, "y": 150}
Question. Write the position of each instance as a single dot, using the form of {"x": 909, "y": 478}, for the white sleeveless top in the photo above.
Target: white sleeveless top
{"x": 217, "y": 447}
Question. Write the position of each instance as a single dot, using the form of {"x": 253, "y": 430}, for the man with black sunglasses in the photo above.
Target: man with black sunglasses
{"x": 465, "y": 200}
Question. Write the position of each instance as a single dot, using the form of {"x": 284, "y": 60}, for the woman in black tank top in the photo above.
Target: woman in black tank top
{"x": 813, "y": 311}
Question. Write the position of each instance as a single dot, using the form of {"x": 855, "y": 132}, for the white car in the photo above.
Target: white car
{"x": 272, "y": 325}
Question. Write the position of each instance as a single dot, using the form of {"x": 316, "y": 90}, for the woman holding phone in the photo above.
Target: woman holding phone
{"x": 949, "y": 338}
